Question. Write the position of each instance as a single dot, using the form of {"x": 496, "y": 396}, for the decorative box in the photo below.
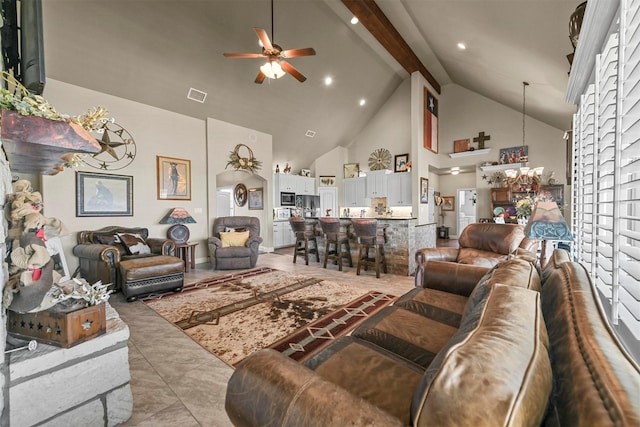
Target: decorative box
{"x": 59, "y": 328}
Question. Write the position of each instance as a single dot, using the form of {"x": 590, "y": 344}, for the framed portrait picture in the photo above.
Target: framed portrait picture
{"x": 174, "y": 178}
{"x": 256, "y": 200}
{"x": 240, "y": 194}
{"x": 514, "y": 155}
{"x": 401, "y": 162}
{"x": 424, "y": 190}
{"x": 351, "y": 170}
{"x": 327, "y": 181}
{"x": 101, "y": 194}
{"x": 449, "y": 203}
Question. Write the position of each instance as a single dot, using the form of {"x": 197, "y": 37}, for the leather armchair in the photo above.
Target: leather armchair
{"x": 482, "y": 244}
{"x": 235, "y": 257}
{"x": 100, "y": 255}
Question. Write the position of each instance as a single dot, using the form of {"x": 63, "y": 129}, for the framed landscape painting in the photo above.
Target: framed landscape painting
{"x": 101, "y": 194}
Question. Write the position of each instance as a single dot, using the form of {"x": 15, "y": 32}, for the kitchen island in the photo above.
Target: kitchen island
{"x": 403, "y": 237}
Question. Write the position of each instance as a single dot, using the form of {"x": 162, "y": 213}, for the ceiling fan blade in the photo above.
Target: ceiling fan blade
{"x": 243, "y": 55}
{"x": 260, "y": 77}
{"x": 264, "y": 38}
{"x": 292, "y": 70}
{"x": 292, "y": 53}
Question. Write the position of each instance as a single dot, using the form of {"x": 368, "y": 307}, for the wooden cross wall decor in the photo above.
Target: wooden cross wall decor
{"x": 480, "y": 139}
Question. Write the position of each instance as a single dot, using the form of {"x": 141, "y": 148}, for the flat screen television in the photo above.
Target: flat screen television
{"x": 23, "y": 44}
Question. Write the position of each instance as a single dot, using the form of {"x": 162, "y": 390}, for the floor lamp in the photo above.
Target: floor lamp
{"x": 547, "y": 224}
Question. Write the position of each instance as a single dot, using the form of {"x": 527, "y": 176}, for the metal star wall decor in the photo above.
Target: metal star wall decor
{"x": 118, "y": 148}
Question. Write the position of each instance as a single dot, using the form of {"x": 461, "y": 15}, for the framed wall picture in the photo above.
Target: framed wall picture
{"x": 327, "y": 181}
{"x": 256, "y": 199}
{"x": 424, "y": 190}
{"x": 174, "y": 178}
{"x": 240, "y": 194}
{"x": 401, "y": 161}
{"x": 54, "y": 248}
{"x": 518, "y": 154}
{"x": 351, "y": 170}
{"x": 101, "y": 194}
{"x": 430, "y": 121}
{"x": 449, "y": 203}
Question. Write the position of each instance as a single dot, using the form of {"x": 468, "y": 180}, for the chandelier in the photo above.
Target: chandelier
{"x": 525, "y": 176}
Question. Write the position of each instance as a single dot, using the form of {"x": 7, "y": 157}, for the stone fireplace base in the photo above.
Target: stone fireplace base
{"x": 87, "y": 384}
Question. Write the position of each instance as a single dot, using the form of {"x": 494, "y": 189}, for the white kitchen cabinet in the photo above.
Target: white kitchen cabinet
{"x": 354, "y": 192}
{"x": 377, "y": 183}
{"x": 284, "y": 182}
{"x": 283, "y": 236}
{"x": 399, "y": 189}
{"x": 305, "y": 185}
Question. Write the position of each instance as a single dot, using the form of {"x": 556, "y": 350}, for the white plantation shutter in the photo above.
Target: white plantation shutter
{"x": 606, "y": 178}
{"x": 627, "y": 244}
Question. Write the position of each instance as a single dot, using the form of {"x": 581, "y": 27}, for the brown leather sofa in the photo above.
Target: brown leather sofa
{"x": 483, "y": 244}
{"x": 102, "y": 257}
{"x": 477, "y": 354}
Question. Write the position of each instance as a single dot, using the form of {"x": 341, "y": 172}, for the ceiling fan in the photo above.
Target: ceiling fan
{"x": 276, "y": 66}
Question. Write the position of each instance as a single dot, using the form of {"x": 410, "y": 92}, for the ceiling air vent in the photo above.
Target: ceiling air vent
{"x": 197, "y": 95}
{"x": 310, "y": 133}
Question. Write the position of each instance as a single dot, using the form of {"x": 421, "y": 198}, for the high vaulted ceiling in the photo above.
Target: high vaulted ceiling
{"x": 153, "y": 51}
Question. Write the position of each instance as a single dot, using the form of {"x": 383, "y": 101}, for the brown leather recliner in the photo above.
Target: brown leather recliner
{"x": 483, "y": 244}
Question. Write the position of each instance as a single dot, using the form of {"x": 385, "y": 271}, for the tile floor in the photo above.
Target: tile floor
{"x": 174, "y": 381}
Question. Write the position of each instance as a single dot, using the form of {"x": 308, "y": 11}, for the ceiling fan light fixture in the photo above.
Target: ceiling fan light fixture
{"x": 272, "y": 70}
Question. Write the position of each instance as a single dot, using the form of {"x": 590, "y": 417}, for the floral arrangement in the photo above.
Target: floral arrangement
{"x": 247, "y": 164}
{"x": 524, "y": 206}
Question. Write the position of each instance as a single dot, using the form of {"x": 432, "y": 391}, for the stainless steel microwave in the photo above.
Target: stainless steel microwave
{"x": 287, "y": 199}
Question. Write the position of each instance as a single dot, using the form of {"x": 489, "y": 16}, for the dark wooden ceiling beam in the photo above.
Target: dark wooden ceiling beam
{"x": 374, "y": 20}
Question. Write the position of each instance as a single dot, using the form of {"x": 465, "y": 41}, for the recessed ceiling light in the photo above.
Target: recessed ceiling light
{"x": 354, "y": 20}
{"x": 362, "y": 102}
{"x": 328, "y": 80}
{"x": 462, "y": 46}
{"x": 455, "y": 172}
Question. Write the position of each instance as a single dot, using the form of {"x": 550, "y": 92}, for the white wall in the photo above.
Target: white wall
{"x": 331, "y": 164}
{"x": 156, "y": 132}
{"x": 222, "y": 138}
{"x": 463, "y": 114}
{"x": 390, "y": 128}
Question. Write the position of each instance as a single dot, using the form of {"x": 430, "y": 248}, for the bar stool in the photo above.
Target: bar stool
{"x": 304, "y": 234}
{"x": 366, "y": 230}
{"x": 339, "y": 240}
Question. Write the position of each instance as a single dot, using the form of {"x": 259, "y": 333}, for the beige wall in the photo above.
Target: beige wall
{"x": 156, "y": 132}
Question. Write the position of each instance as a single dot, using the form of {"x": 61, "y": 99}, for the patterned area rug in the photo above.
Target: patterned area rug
{"x": 234, "y": 315}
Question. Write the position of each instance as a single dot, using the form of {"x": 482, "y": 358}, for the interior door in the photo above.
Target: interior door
{"x": 223, "y": 203}
{"x": 328, "y": 200}
{"x": 467, "y": 206}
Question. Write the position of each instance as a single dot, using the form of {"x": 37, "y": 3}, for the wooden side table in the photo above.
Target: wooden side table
{"x": 187, "y": 252}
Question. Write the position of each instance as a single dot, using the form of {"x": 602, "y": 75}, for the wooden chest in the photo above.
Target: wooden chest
{"x": 59, "y": 329}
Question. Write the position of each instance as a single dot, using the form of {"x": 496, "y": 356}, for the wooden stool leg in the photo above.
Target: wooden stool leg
{"x": 339, "y": 254}
{"x": 306, "y": 251}
{"x": 384, "y": 259}
{"x": 376, "y": 248}
{"x": 326, "y": 252}
{"x": 349, "y": 253}
{"x": 315, "y": 244}
{"x": 359, "y": 259}
{"x": 295, "y": 251}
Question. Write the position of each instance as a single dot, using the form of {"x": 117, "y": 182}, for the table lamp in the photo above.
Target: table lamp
{"x": 547, "y": 224}
{"x": 178, "y": 232}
